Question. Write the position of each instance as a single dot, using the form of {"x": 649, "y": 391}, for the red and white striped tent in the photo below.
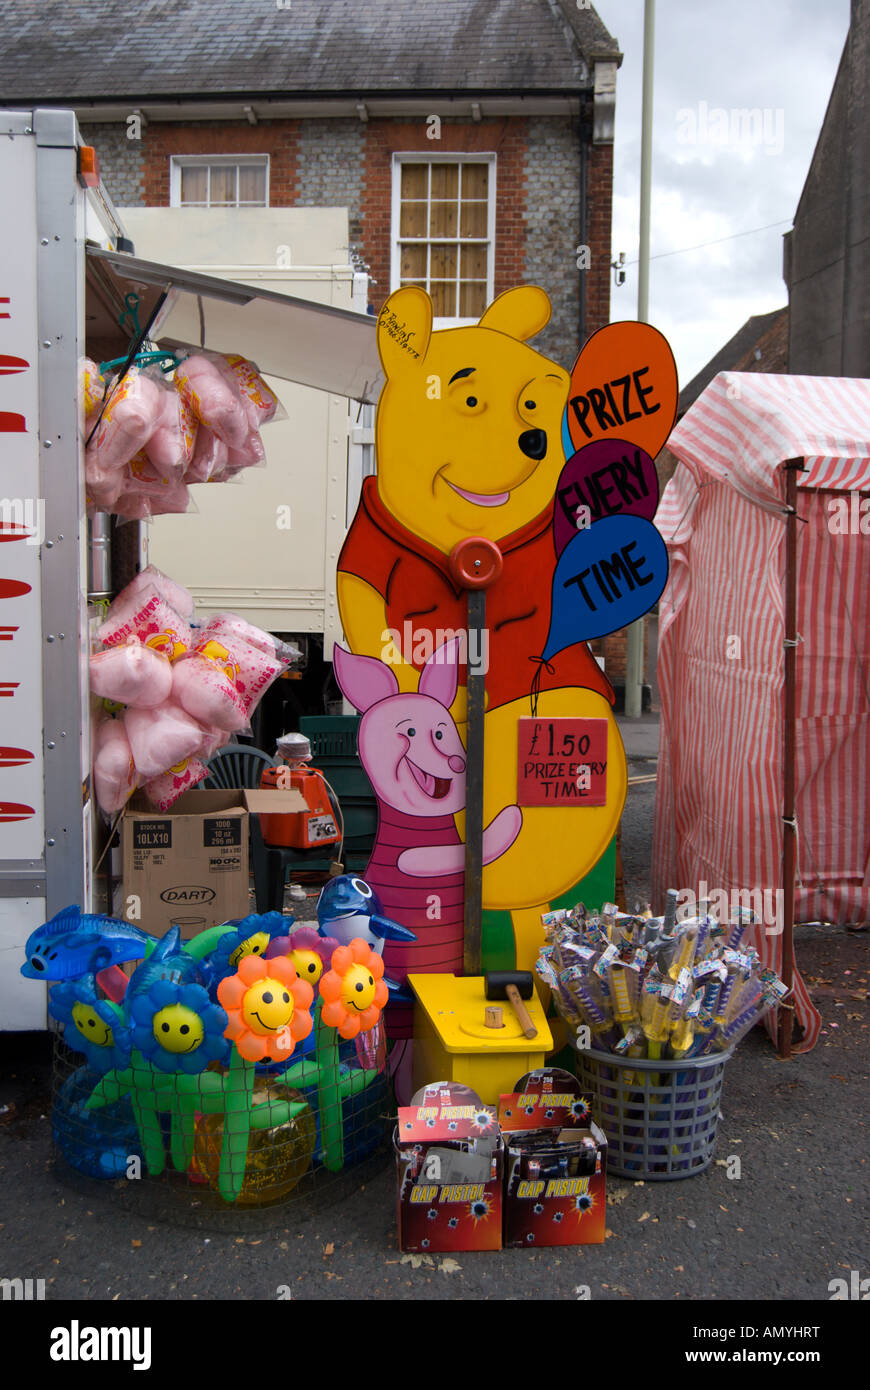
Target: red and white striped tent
{"x": 722, "y": 656}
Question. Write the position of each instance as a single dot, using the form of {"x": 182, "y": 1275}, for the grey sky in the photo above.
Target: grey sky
{"x": 776, "y": 57}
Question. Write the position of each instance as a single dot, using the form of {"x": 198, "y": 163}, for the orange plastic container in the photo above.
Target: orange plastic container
{"x": 301, "y": 829}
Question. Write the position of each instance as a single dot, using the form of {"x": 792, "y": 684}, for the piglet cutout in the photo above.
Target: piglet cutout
{"x": 415, "y": 760}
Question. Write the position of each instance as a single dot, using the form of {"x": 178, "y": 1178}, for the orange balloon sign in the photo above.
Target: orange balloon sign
{"x": 624, "y": 386}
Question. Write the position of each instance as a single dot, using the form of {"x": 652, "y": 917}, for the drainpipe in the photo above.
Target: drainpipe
{"x": 100, "y": 557}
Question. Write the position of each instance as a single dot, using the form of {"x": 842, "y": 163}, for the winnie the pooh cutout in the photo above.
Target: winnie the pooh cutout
{"x": 472, "y": 436}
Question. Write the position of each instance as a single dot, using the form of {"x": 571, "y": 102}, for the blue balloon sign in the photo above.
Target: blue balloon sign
{"x": 607, "y": 575}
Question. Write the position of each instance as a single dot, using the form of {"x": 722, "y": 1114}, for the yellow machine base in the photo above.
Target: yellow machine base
{"x": 453, "y": 1043}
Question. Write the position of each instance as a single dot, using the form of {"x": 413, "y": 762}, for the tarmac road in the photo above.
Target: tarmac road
{"x": 793, "y": 1220}
{"x": 781, "y": 1223}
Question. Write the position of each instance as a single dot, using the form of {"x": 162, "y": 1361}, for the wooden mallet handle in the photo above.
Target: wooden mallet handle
{"x": 521, "y": 1011}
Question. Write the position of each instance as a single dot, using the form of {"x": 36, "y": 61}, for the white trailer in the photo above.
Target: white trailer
{"x": 64, "y": 274}
{"x": 266, "y": 547}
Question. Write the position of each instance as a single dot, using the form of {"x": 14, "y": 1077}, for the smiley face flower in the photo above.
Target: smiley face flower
{"x": 94, "y": 1026}
{"x": 176, "y": 1027}
{"x": 310, "y": 952}
{"x": 267, "y": 1007}
{"x": 353, "y": 991}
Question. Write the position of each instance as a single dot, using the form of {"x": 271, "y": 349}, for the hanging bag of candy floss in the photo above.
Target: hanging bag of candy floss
{"x": 92, "y": 388}
{"x": 115, "y": 775}
{"x": 161, "y": 738}
{"x": 148, "y": 493}
{"x": 261, "y": 402}
{"x": 204, "y": 684}
{"x": 170, "y": 446}
{"x": 176, "y": 595}
{"x": 162, "y": 791}
{"x": 258, "y": 657}
{"x": 211, "y": 391}
{"x": 131, "y": 674}
{"x": 210, "y": 457}
{"x": 146, "y": 615}
{"x": 131, "y": 413}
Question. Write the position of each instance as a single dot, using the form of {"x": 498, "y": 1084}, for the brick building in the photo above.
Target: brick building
{"x": 470, "y": 142}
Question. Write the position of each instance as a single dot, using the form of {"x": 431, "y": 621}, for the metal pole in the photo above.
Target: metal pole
{"x": 635, "y": 632}
{"x": 474, "y": 783}
{"x": 789, "y": 828}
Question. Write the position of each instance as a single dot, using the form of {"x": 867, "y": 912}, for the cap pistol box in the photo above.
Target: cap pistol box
{"x": 555, "y": 1163}
{"x": 449, "y": 1162}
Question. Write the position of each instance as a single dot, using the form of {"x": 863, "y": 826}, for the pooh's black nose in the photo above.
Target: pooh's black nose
{"x": 533, "y": 443}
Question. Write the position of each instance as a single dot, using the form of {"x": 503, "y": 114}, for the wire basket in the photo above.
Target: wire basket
{"x": 661, "y": 1118}
{"x": 228, "y": 1144}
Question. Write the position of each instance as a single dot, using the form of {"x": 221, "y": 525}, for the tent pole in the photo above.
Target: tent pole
{"x": 789, "y": 828}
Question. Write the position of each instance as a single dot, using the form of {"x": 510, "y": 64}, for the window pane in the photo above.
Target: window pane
{"x": 472, "y": 300}
{"x": 413, "y": 263}
{"x": 194, "y": 183}
{"x": 473, "y": 263}
{"x": 412, "y": 219}
{"x": 475, "y": 180}
{"x": 222, "y": 188}
{"x": 443, "y": 294}
{"x": 414, "y": 181}
{"x": 473, "y": 220}
{"x": 442, "y": 219}
{"x": 445, "y": 181}
{"x": 420, "y": 283}
{"x": 252, "y": 183}
{"x": 443, "y": 266}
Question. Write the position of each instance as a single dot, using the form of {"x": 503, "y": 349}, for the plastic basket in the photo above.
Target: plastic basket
{"x": 661, "y": 1118}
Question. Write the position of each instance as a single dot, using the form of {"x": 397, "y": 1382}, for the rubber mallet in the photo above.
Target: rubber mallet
{"x": 515, "y": 986}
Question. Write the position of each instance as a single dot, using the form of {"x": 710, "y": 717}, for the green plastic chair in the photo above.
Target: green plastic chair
{"x": 236, "y": 765}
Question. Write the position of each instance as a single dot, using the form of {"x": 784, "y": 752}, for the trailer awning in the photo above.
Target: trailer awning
{"x": 295, "y": 339}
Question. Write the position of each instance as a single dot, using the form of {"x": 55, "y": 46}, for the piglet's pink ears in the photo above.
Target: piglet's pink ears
{"x": 440, "y": 675}
{"x": 362, "y": 679}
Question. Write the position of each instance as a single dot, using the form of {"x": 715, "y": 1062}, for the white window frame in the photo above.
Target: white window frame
{"x": 453, "y": 157}
{"x": 178, "y": 162}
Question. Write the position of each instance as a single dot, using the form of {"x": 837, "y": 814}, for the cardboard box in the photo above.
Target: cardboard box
{"x": 188, "y": 866}
{"x": 449, "y": 1161}
{"x": 555, "y": 1163}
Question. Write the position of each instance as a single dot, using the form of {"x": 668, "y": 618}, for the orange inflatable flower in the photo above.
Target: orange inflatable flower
{"x": 268, "y": 1008}
{"x": 353, "y": 991}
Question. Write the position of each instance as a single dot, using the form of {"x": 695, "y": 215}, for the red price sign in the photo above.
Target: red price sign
{"x": 562, "y": 762}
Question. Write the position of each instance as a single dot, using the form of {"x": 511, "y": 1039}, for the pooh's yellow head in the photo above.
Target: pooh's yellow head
{"x": 468, "y": 428}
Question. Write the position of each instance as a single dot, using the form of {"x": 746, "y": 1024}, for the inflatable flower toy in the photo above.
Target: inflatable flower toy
{"x": 353, "y": 991}
{"x": 93, "y": 1026}
{"x": 244, "y": 936}
{"x": 310, "y": 952}
{"x": 177, "y": 1028}
{"x": 268, "y": 1008}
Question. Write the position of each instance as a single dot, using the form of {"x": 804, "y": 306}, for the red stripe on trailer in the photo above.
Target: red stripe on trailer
{"x": 15, "y": 757}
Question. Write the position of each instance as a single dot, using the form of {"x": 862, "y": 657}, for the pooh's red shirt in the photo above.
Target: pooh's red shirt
{"x": 414, "y": 581}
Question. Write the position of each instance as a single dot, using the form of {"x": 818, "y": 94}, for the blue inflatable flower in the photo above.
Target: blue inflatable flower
{"x": 92, "y": 1025}
{"x": 178, "y": 1028}
{"x": 245, "y": 936}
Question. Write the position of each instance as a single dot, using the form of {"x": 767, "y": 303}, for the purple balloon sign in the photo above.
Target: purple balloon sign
{"x": 610, "y": 477}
